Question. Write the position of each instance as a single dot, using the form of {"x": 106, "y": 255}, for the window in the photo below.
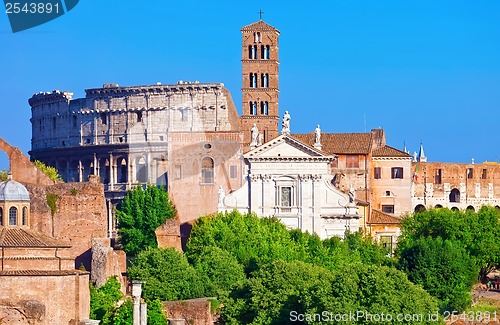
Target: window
{"x": 266, "y": 52}
{"x": 54, "y": 123}
{"x": 262, "y": 52}
{"x": 455, "y": 196}
{"x": 253, "y": 108}
{"x": 286, "y": 196}
{"x": 25, "y": 216}
{"x": 386, "y": 242}
{"x": 184, "y": 115}
{"x": 253, "y": 80}
{"x": 264, "y": 110}
{"x": 437, "y": 177}
{"x": 377, "y": 173}
{"x": 207, "y": 170}
{"x": 264, "y": 77}
{"x": 470, "y": 173}
{"x": 387, "y": 193}
{"x": 13, "y": 216}
{"x": 257, "y": 37}
{"x": 138, "y": 116}
{"x": 483, "y": 175}
{"x": 352, "y": 161}
{"x": 388, "y": 208}
{"x": 75, "y": 122}
{"x": 177, "y": 171}
{"x": 103, "y": 119}
{"x": 397, "y": 172}
{"x": 233, "y": 171}
{"x": 252, "y": 52}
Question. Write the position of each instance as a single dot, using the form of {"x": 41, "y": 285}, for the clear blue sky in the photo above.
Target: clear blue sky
{"x": 423, "y": 70}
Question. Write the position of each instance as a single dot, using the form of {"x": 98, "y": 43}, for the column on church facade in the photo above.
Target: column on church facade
{"x": 316, "y": 206}
{"x": 255, "y": 185}
{"x": 304, "y": 203}
{"x": 267, "y": 196}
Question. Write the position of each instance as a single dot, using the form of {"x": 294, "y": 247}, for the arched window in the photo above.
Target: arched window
{"x": 25, "y": 216}
{"x": 438, "y": 206}
{"x": 13, "y": 216}
{"x": 454, "y": 209}
{"x": 257, "y": 37}
{"x": 264, "y": 108}
{"x": 419, "y": 208}
{"x": 471, "y": 208}
{"x": 455, "y": 196}
{"x": 253, "y": 80}
{"x": 262, "y": 51}
{"x": 207, "y": 170}
{"x": 264, "y": 77}
{"x": 253, "y": 108}
{"x": 250, "y": 51}
{"x": 266, "y": 53}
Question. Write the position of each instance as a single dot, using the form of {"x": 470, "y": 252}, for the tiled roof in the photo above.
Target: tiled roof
{"x": 259, "y": 25}
{"x": 379, "y": 217}
{"x": 388, "y": 151}
{"x": 41, "y": 272}
{"x": 339, "y": 143}
{"x": 22, "y": 237}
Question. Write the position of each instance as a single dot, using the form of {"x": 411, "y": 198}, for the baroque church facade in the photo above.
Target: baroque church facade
{"x": 190, "y": 138}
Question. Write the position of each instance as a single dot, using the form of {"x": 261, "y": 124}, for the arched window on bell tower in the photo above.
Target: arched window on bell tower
{"x": 266, "y": 53}
{"x": 264, "y": 80}
{"x": 257, "y": 37}
{"x": 253, "y": 80}
{"x": 264, "y": 108}
{"x": 253, "y": 108}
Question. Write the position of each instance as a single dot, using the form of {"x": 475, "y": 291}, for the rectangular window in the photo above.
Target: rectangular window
{"x": 437, "y": 177}
{"x": 352, "y": 161}
{"x": 396, "y": 172}
{"x": 386, "y": 242}
{"x": 286, "y": 196}
{"x": 54, "y": 123}
{"x": 470, "y": 173}
{"x": 103, "y": 119}
{"x": 177, "y": 171}
{"x": 483, "y": 176}
{"x": 207, "y": 170}
{"x": 138, "y": 116}
{"x": 233, "y": 171}
{"x": 377, "y": 173}
{"x": 388, "y": 208}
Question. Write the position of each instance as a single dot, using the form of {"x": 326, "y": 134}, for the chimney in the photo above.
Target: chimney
{"x": 378, "y": 138}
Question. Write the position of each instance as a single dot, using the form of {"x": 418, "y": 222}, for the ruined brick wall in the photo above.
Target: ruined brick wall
{"x": 477, "y": 184}
{"x": 44, "y": 300}
{"x": 22, "y": 169}
{"x": 79, "y": 215}
{"x": 107, "y": 262}
{"x": 193, "y": 311}
{"x": 168, "y": 234}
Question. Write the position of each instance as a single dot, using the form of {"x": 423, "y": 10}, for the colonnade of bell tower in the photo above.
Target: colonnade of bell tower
{"x": 260, "y": 81}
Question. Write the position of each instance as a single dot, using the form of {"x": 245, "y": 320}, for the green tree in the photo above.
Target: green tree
{"x": 139, "y": 214}
{"x": 221, "y": 270}
{"x": 443, "y": 268}
{"x": 476, "y": 232}
{"x": 51, "y": 172}
{"x": 103, "y": 301}
{"x": 4, "y": 175}
{"x": 168, "y": 275}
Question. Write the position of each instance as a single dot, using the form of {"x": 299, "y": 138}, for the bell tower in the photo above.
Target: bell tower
{"x": 260, "y": 89}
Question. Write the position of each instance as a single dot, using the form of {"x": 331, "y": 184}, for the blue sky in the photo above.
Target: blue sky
{"x": 424, "y": 70}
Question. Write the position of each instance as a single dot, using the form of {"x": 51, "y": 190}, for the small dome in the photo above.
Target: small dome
{"x": 13, "y": 191}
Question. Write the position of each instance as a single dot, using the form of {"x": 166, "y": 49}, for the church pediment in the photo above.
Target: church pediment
{"x": 285, "y": 147}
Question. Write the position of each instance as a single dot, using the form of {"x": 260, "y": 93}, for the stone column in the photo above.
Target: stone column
{"x": 267, "y": 196}
{"x": 111, "y": 172}
{"x": 316, "y": 206}
{"x": 80, "y": 171}
{"x": 254, "y": 192}
{"x": 136, "y": 297}
{"x": 129, "y": 173}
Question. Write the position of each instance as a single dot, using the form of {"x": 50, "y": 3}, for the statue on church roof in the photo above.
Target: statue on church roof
{"x": 285, "y": 126}
{"x": 317, "y": 136}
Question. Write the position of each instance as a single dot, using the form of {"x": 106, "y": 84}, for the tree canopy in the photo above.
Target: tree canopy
{"x": 139, "y": 214}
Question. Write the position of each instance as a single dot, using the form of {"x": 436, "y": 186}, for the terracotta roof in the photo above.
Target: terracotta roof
{"x": 22, "y": 237}
{"x": 42, "y": 272}
{"x": 339, "y": 143}
{"x": 379, "y": 217}
{"x": 388, "y": 151}
{"x": 259, "y": 26}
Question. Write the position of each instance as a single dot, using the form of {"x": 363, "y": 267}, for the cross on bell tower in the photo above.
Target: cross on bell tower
{"x": 260, "y": 89}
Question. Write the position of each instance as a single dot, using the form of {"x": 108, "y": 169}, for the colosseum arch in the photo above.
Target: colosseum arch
{"x": 455, "y": 196}
{"x": 420, "y": 208}
{"x": 22, "y": 169}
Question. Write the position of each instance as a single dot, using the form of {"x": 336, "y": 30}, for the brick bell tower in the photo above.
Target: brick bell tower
{"x": 260, "y": 89}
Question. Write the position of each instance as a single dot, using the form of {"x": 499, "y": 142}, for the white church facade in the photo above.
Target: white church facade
{"x": 290, "y": 180}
